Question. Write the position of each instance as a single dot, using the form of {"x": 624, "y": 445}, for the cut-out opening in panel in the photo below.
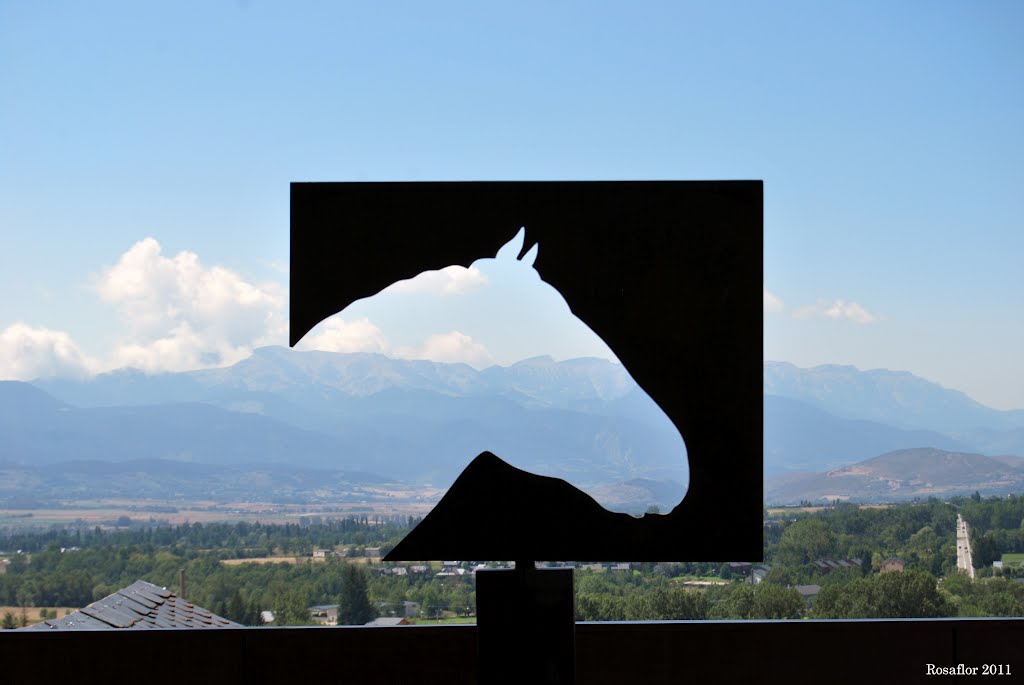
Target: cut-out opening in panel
{"x": 491, "y": 358}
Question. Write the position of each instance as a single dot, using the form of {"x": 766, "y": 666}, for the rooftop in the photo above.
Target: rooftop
{"x": 140, "y": 605}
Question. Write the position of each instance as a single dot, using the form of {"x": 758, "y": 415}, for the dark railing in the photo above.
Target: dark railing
{"x": 826, "y": 652}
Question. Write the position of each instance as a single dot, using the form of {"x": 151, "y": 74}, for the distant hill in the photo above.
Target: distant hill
{"x": 900, "y": 475}
{"x": 17, "y": 398}
{"x": 1016, "y": 462}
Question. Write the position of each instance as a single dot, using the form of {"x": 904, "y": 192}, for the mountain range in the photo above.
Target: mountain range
{"x": 872, "y": 412}
{"x": 414, "y": 421}
{"x": 900, "y": 400}
{"x": 835, "y": 432}
{"x": 421, "y": 422}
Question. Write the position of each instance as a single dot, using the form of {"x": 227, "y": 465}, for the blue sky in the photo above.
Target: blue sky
{"x": 146, "y": 151}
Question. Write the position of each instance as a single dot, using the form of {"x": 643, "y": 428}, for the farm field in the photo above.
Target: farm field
{"x": 296, "y": 560}
{"x": 107, "y": 512}
{"x": 110, "y": 513}
{"x": 442, "y": 621}
{"x": 777, "y": 511}
{"x": 700, "y": 582}
{"x": 271, "y": 560}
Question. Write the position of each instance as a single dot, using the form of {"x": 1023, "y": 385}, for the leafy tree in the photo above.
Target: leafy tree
{"x": 600, "y": 607}
{"x": 910, "y": 594}
{"x": 865, "y": 562}
{"x": 776, "y": 602}
{"x": 676, "y": 604}
{"x": 995, "y": 597}
{"x": 639, "y": 607}
{"x": 9, "y": 623}
{"x": 984, "y": 550}
{"x": 252, "y": 614}
{"x": 290, "y": 608}
{"x": 840, "y": 576}
{"x": 460, "y": 600}
{"x": 235, "y": 608}
{"x": 738, "y": 605}
{"x": 354, "y": 603}
{"x": 805, "y": 541}
{"x": 924, "y": 549}
{"x": 780, "y": 574}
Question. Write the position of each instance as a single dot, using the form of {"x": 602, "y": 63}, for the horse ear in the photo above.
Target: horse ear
{"x": 530, "y": 257}
{"x": 512, "y": 248}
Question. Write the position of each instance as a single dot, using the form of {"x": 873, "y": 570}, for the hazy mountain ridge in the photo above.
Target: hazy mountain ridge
{"x": 901, "y": 400}
{"x": 897, "y": 398}
{"x": 801, "y": 437}
{"x": 180, "y": 431}
{"x": 422, "y": 421}
{"x": 291, "y": 374}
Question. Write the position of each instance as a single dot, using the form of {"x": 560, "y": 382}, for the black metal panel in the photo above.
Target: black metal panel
{"x": 668, "y": 273}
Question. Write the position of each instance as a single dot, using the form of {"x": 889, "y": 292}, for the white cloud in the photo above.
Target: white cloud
{"x": 28, "y": 352}
{"x": 450, "y": 347}
{"x": 451, "y": 280}
{"x": 182, "y": 315}
{"x": 772, "y": 304}
{"x": 337, "y": 335}
{"x": 837, "y": 309}
{"x": 362, "y": 335}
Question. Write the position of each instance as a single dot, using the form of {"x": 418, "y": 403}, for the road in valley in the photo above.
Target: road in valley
{"x": 963, "y": 547}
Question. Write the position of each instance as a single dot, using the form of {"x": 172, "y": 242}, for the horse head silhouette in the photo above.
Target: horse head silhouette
{"x": 668, "y": 274}
{"x": 617, "y": 474}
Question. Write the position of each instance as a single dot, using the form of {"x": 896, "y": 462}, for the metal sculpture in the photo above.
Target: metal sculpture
{"x": 667, "y": 273}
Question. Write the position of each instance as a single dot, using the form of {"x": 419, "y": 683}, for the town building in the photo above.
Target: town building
{"x": 892, "y": 564}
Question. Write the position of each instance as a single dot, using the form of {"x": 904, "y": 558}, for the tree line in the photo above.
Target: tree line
{"x": 75, "y": 567}
{"x": 242, "y": 539}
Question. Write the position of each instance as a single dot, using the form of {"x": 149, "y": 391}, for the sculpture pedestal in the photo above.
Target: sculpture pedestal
{"x": 526, "y": 623}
